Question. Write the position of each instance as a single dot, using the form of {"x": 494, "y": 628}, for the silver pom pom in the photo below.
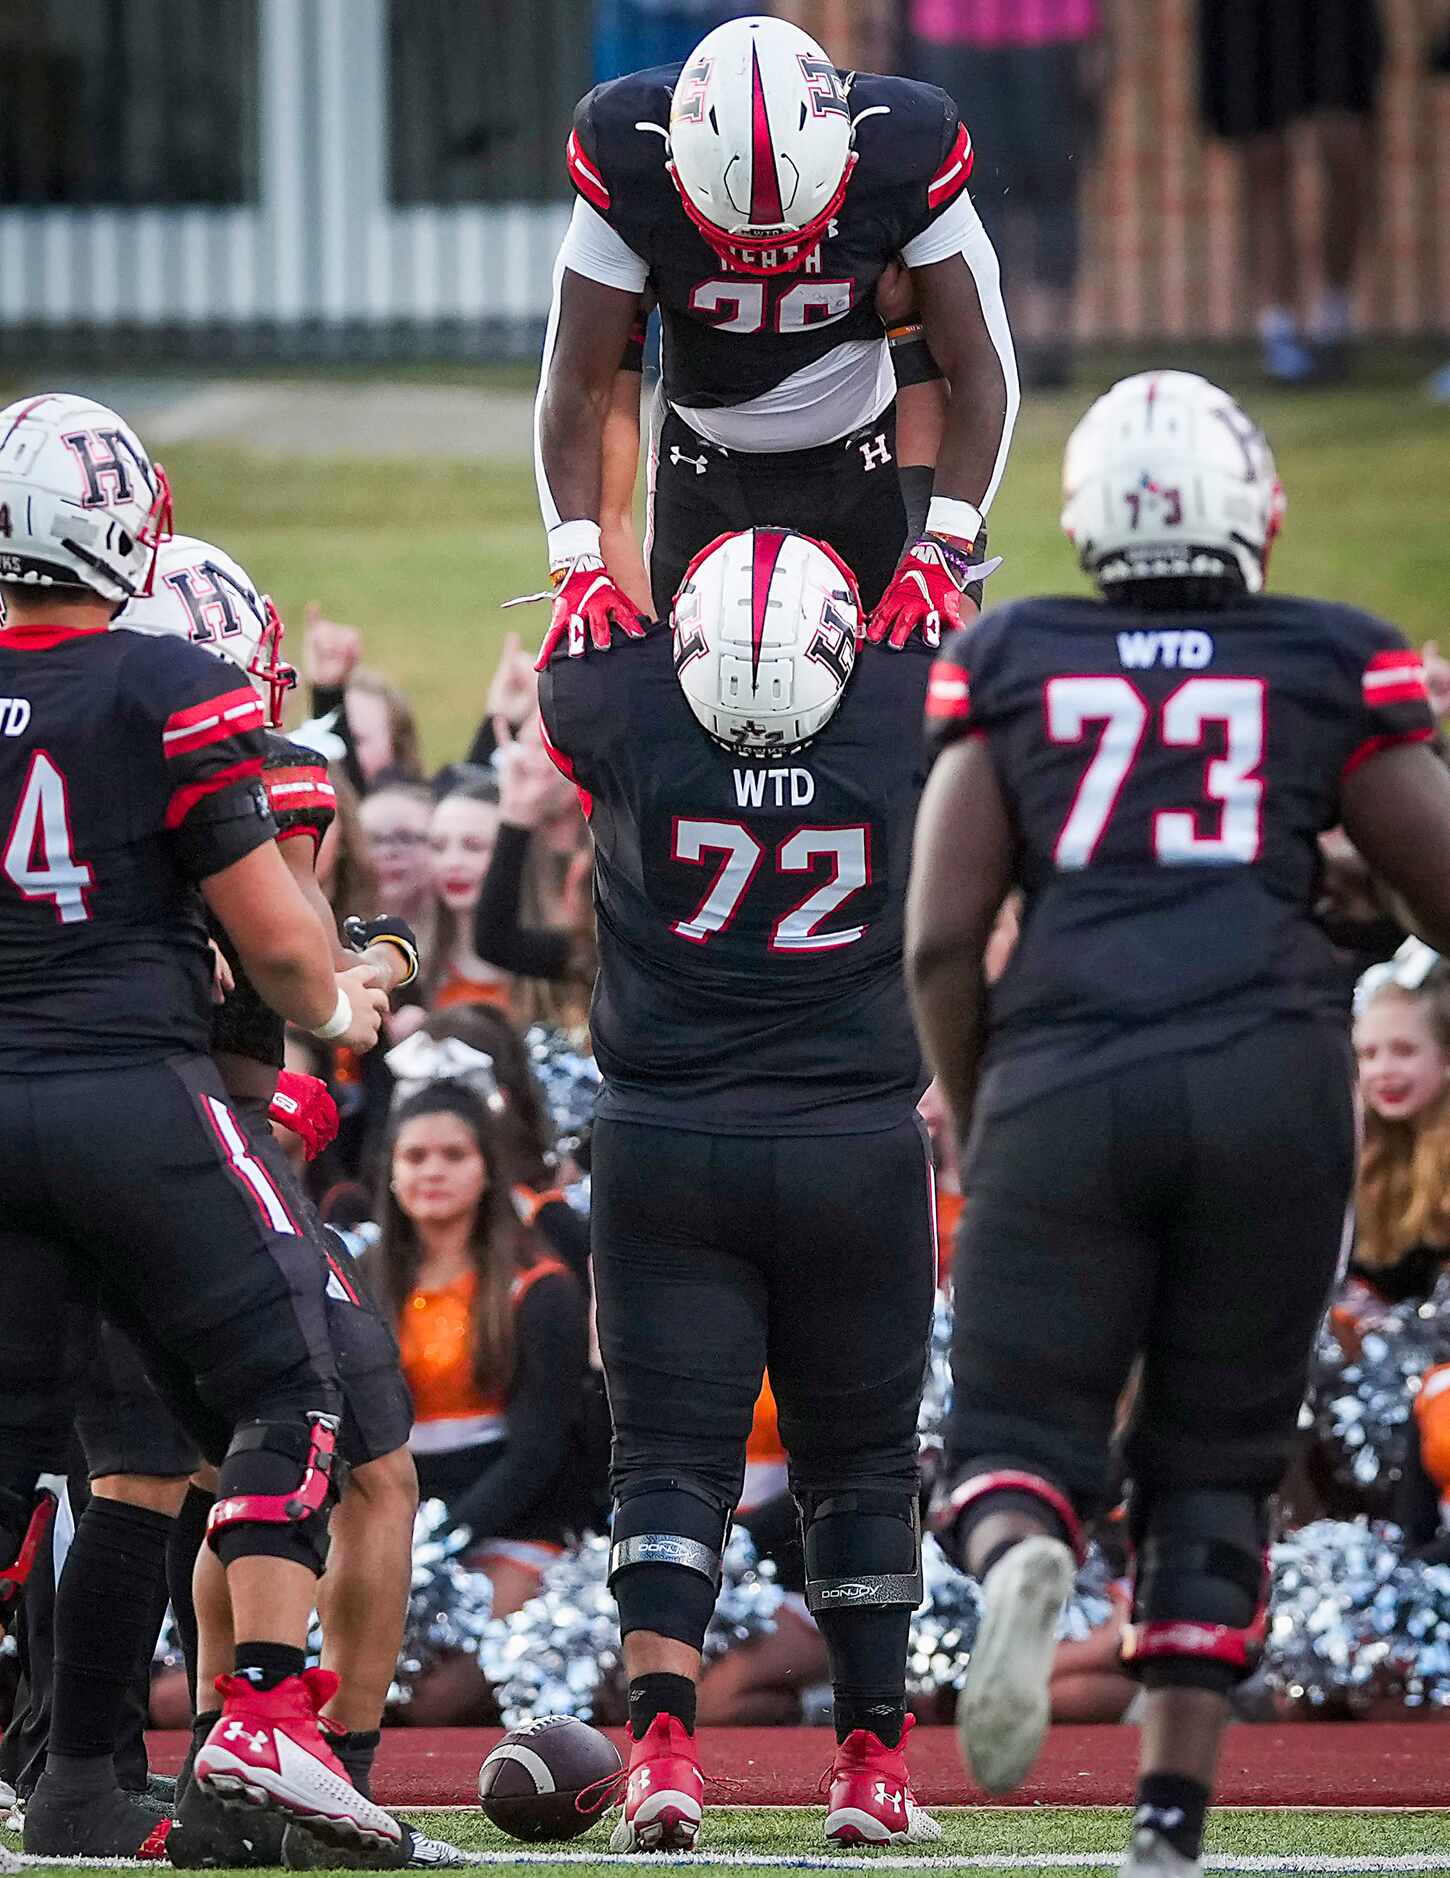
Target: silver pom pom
{"x": 1361, "y": 1407}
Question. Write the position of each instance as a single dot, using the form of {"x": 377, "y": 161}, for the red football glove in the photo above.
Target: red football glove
{"x": 588, "y": 599}
{"x": 303, "y": 1104}
{"x": 926, "y": 592}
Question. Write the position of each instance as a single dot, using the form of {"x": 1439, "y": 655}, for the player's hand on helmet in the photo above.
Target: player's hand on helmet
{"x": 330, "y": 652}
{"x": 937, "y": 588}
{"x": 588, "y": 606}
{"x": 369, "y": 1008}
{"x": 304, "y": 1105}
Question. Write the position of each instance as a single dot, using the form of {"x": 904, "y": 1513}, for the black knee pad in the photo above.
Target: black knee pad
{"x": 664, "y": 1560}
{"x": 862, "y": 1548}
{"x": 279, "y": 1483}
{"x": 1199, "y": 1588}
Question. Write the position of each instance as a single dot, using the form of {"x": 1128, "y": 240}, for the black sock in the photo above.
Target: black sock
{"x": 104, "y": 1601}
{"x": 264, "y": 1665}
{"x": 660, "y": 1694}
{"x": 883, "y": 1716}
{"x": 200, "y": 1729}
{"x": 80, "y": 1774}
{"x": 188, "y": 1533}
{"x": 1173, "y": 1806}
{"x": 356, "y": 1750}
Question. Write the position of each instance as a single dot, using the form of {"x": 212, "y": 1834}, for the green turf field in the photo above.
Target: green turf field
{"x": 420, "y": 553}
{"x": 1001, "y": 1841}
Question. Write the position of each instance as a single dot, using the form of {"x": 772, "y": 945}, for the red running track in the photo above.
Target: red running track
{"x": 1314, "y": 1764}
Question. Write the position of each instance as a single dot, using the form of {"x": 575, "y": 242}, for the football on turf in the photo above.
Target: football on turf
{"x": 531, "y": 1781}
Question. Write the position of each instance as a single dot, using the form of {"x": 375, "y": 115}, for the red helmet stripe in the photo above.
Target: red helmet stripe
{"x": 768, "y": 543}
{"x": 765, "y": 209}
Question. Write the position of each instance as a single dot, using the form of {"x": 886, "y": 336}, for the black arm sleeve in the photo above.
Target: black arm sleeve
{"x": 551, "y": 1341}
{"x": 567, "y": 1234}
{"x": 532, "y": 952}
{"x": 327, "y": 698}
{"x": 484, "y": 743}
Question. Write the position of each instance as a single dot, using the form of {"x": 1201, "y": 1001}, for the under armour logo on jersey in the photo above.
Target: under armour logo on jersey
{"x": 677, "y": 455}
{"x": 875, "y": 451}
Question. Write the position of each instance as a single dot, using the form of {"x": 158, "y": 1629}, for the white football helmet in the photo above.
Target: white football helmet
{"x": 81, "y": 502}
{"x": 202, "y": 594}
{"x": 760, "y": 143}
{"x": 766, "y": 626}
{"x": 1168, "y": 478}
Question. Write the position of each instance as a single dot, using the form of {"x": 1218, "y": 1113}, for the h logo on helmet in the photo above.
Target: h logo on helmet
{"x": 210, "y": 597}
{"x": 100, "y": 455}
{"x": 823, "y": 82}
{"x": 688, "y": 103}
{"x": 834, "y": 644}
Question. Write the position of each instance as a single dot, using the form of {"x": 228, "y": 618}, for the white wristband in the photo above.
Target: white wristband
{"x": 340, "y": 1020}
{"x": 960, "y": 520}
{"x": 568, "y": 540}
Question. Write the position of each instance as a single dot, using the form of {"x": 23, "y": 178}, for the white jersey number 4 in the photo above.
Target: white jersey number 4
{"x": 38, "y": 860}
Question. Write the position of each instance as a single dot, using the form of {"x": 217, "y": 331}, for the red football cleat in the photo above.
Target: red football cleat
{"x": 871, "y": 1802}
{"x": 664, "y": 1797}
{"x": 268, "y": 1751}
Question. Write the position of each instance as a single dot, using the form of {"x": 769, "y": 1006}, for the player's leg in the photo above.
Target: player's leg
{"x": 108, "y": 1606}
{"x": 199, "y": 1259}
{"x": 851, "y": 1290}
{"x": 1051, "y": 1282}
{"x": 681, "y": 1321}
{"x": 1246, "y": 1275}
{"x": 694, "y": 495}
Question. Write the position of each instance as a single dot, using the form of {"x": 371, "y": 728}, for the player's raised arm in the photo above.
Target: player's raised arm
{"x": 598, "y": 286}
{"x": 957, "y": 284}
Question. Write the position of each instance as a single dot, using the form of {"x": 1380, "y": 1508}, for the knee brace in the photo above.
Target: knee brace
{"x": 1199, "y": 1589}
{"x": 863, "y": 1550}
{"x": 992, "y": 1487}
{"x": 279, "y": 1483}
{"x": 24, "y": 1518}
{"x": 664, "y": 1559}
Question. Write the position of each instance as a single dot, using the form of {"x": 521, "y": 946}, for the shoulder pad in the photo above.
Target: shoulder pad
{"x": 605, "y": 151}
{"x": 906, "y": 134}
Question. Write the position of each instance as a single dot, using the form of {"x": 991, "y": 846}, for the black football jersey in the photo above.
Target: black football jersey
{"x": 1168, "y": 776}
{"x": 729, "y": 336}
{"x": 129, "y": 772}
{"x": 749, "y": 914}
{"x": 304, "y": 805}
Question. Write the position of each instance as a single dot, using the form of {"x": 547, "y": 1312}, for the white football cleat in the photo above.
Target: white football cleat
{"x": 1004, "y": 1709}
{"x": 1150, "y": 1855}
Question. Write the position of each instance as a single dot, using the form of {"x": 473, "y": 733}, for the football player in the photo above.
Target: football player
{"x": 1159, "y": 1088}
{"x": 751, "y": 778}
{"x": 129, "y": 787}
{"x": 759, "y": 194}
{"x": 203, "y": 595}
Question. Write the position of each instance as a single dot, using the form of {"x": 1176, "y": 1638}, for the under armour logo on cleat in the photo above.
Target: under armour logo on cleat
{"x": 239, "y": 1731}
{"x": 701, "y": 463}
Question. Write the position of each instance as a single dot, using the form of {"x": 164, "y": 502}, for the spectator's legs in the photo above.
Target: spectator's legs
{"x": 1347, "y": 147}
{"x": 1268, "y": 212}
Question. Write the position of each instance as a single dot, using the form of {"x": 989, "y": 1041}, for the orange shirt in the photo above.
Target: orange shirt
{"x": 1432, "y": 1412}
{"x": 435, "y": 1341}
{"x": 460, "y": 990}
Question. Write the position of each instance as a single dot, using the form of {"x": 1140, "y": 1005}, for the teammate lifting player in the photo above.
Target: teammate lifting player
{"x": 1159, "y": 1089}
{"x": 759, "y": 194}
{"x": 129, "y": 788}
{"x": 752, "y": 780}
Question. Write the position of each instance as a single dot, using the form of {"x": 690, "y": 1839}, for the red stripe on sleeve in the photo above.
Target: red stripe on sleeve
{"x": 187, "y": 797}
{"x": 209, "y": 708}
{"x": 951, "y": 178}
{"x": 948, "y": 696}
{"x": 1373, "y": 745}
{"x": 223, "y": 721}
{"x": 585, "y": 178}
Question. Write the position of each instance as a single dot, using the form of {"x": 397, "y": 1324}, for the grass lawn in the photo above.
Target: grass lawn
{"x": 1084, "y": 1838}
{"x": 419, "y": 553}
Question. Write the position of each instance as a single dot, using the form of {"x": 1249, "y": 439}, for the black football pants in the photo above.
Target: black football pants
{"x": 846, "y": 493}
{"x": 137, "y": 1191}
{"x": 717, "y": 1255}
{"x": 1189, "y": 1212}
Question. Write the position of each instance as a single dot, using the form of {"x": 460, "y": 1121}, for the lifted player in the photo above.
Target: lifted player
{"x": 129, "y": 787}
{"x": 752, "y": 780}
{"x": 759, "y": 194}
{"x": 1159, "y": 1088}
